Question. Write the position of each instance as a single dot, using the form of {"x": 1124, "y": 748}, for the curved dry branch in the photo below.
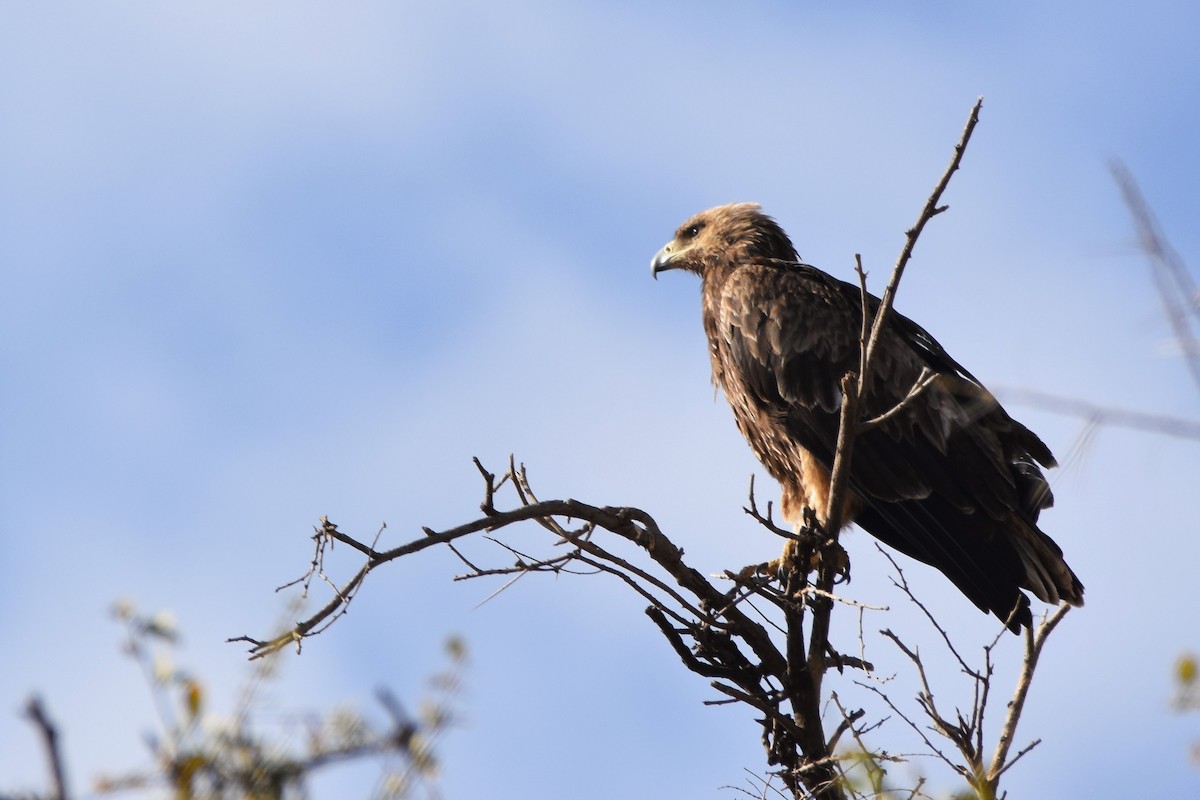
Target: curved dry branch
{"x": 707, "y": 626}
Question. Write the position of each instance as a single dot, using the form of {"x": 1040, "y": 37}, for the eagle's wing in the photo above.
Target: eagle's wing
{"x": 791, "y": 334}
{"x": 952, "y": 480}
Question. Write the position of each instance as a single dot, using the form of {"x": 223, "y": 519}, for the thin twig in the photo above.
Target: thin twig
{"x": 901, "y": 583}
{"x": 1033, "y": 651}
{"x": 923, "y": 382}
{"x": 933, "y": 749}
{"x": 930, "y": 210}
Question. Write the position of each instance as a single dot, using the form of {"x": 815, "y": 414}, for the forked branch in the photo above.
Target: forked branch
{"x": 967, "y": 733}
{"x": 710, "y": 628}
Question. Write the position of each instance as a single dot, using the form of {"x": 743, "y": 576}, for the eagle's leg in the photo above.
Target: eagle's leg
{"x": 810, "y": 549}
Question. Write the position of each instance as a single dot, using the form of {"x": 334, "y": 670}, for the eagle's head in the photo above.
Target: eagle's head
{"x": 724, "y": 236}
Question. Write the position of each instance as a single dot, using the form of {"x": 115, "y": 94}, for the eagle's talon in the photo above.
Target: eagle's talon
{"x": 797, "y": 557}
{"x": 841, "y": 561}
{"x": 758, "y": 570}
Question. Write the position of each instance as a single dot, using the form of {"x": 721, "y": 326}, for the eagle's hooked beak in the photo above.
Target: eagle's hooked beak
{"x": 662, "y": 260}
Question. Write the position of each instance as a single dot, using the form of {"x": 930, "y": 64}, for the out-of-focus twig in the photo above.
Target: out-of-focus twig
{"x": 1104, "y": 415}
{"x": 1181, "y": 304}
{"x": 36, "y": 713}
{"x": 1176, "y": 289}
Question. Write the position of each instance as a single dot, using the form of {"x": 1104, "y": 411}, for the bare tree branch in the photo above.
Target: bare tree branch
{"x": 35, "y": 712}
{"x": 1034, "y": 641}
{"x": 967, "y": 732}
{"x": 924, "y": 381}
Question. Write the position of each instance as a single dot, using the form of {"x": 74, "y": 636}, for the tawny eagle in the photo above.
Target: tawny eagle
{"x": 952, "y": 480}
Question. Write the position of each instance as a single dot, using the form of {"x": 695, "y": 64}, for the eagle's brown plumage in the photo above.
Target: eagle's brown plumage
{"x": 951, "y": 480}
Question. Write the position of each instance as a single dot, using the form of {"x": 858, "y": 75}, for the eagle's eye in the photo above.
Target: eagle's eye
{"x": 692, "y": 231}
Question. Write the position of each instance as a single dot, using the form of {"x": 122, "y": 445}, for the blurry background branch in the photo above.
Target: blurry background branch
{"x": 1180, "y": 300}
{"x": 197, "y": 754}
{"x": 1176, "y": 288}
{"x": 1177, "y": 427}
{"x": 35, "y": 712}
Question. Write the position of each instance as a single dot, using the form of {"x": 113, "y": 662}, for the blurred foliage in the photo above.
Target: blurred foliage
{"x": 1187, "y": 691}
{"x": 864, "y": 776}
{"x": 866, "y": 773}
{"x": 249, "y": 754}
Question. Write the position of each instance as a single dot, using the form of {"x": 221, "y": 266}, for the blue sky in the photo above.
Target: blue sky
{"x": 270, "y": 261}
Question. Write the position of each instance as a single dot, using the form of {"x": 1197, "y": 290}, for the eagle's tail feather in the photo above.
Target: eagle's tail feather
{"x": 989, "y": 560}
{"x": 1046, "y": 573}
